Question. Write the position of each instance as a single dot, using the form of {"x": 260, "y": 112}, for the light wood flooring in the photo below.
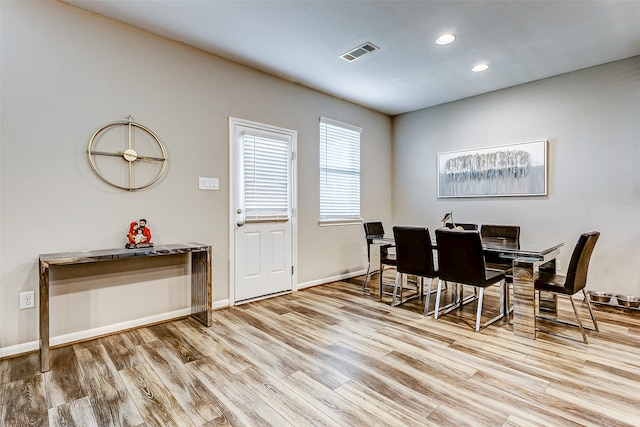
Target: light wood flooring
{"x": 332, "y": 356}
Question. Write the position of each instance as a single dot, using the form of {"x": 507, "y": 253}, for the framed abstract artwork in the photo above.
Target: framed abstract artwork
{"x": 508, "y": 170}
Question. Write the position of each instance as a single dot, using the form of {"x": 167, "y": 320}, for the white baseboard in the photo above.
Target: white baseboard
{"x": 216, "y": 305}
{"x": 18, "y": 349}
{"x": 95, "y": 332}
{"x": 331, "y": 279}
{"x": 110, "y": 329}
{"x": 27, "y": 347}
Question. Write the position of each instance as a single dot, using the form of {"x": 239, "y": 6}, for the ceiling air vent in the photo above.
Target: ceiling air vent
{"x": 357, "y": 52}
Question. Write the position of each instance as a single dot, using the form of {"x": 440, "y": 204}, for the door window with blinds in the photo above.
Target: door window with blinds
{"x": 265, "y": 171}
{"x": 339, "y": 172}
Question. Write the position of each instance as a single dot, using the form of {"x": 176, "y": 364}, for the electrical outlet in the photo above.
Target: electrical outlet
{"x": 27, "y": 300}
{"x": 558, "y": 265}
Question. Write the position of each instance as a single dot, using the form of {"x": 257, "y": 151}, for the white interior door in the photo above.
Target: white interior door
{"x": 262, "y": 200}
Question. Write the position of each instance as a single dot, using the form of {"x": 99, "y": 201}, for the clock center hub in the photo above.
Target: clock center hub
{"x": 130, "y": 155}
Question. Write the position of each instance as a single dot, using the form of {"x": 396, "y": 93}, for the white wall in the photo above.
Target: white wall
{"x": 592, "y": 121}
{"x": 65, "y": 72}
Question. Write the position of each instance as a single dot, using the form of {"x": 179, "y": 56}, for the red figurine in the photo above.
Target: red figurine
{"x": 139, "y": 234}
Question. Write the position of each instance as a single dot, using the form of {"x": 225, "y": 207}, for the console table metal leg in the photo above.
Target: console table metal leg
{"x": 44, "y": 317}
{"x": 201, "y": 299}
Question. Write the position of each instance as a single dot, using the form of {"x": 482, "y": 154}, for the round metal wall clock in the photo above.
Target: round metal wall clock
{"x": 127, "y": 155}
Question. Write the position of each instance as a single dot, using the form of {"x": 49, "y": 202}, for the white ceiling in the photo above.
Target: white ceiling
{"x": 301, "y": 40}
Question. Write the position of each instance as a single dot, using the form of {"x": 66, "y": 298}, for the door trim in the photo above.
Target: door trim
{"x": 233, "y": 123}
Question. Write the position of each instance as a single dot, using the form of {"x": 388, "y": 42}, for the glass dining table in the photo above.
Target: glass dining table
{"x": 528, "y": 257}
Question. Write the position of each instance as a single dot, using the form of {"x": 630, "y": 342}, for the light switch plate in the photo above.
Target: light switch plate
{"x": 208, "y": 183}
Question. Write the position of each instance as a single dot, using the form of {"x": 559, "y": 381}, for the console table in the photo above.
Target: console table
{"x": 200, "y": 279}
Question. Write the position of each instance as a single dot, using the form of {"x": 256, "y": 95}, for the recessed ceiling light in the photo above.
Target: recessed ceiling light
{"x": 480, "y": 67}
{"x": 445, "y": 39}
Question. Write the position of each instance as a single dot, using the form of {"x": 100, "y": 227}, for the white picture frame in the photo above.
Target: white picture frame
{"x": 518, "y": 169}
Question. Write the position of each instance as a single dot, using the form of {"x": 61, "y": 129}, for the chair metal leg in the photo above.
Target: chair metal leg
{"x": 593, "y": 318}
{"x": 381, "y": 273}
{"x": 382, "y": 284}
{"x": 575, "y": 310}
{"x": 456, "y": 300}
{"x": 579, "y": 323}
{"x": 460, "y": 299}
{"x": 436, "y": 309}
{"x": 400, "y": 282}
{"x": 507, "y": 303}
{"x": 399, "y": 278}
{"x": 367, "y": 278}
{"x": 500, "y": 315}
{"x": 504, "y": 308}
{"x": 428, "y": 299}
{"x": 479, "y": 310}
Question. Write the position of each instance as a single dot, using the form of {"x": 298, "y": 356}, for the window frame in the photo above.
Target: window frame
{"x": 340, "y": 175}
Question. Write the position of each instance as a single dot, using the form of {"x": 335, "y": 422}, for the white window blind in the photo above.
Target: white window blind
{"x": 266, "y": 167}
{"x": 339, "y": 171}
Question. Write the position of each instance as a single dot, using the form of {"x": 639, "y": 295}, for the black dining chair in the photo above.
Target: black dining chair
{"x": 507, "y": 232}
{"x": 501, "y": 234}
{"x": 461, "y": 225}
{"x": 461, "y": 261}
{"x": 414, "y": 256}
{"x": 373, "y": 230}
{"x": 574, "y": 282}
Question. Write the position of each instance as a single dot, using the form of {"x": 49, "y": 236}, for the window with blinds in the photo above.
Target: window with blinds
{"x": 339, "y": 171}
{"x": 266, "y": 169}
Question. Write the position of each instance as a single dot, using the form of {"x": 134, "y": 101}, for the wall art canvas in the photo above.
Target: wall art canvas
{"x": 507, "y": 170}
